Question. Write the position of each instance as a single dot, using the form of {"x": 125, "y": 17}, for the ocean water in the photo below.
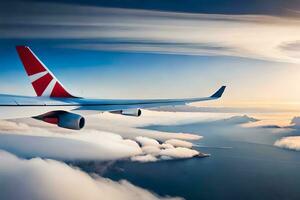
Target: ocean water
{"x": 250, "y": 167}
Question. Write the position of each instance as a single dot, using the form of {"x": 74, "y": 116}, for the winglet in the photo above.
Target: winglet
{"x": 218, "y": 93}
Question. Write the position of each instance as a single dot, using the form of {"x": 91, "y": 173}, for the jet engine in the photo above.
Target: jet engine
{"x": 64, "y": 119}
{"x": 71, "y": 121}
{"x": 132, "y": 112}
{"x": 129, "y": 112}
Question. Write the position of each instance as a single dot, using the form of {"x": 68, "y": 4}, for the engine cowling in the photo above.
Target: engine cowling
{"x": 132, "y": 112}
{"x": 64, "y": 120}
{"x": 71, "y": 121}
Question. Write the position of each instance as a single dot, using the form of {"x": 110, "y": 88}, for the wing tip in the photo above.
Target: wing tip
{"x": 219, "y": 93}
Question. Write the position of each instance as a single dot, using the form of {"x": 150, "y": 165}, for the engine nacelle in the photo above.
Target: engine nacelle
{"x": 71, "y": 121}
{"x": 63, "y": 119}
{"x": 132, "y": 112}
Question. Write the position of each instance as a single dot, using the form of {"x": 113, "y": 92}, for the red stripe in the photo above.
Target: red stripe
{"x": 30, "y": 62}
{"x": 59, "y": 91}
{"x": 51, "y": 120}
{"x": 41, "y": 84}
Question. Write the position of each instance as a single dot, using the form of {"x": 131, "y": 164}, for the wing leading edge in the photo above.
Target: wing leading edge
{"x": 113, "y": 105}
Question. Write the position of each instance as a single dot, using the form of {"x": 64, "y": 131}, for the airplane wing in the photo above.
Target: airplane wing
{"x": 54, "y": 104}
{"x": 115, "y": 105}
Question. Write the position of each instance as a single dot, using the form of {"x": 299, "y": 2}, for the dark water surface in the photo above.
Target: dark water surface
{"x": 252, "y": 169}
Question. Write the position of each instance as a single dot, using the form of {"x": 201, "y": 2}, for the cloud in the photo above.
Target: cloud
{"x": 170, "y": 149}
{"x": 292, "y": 143}
{"x": 179, "y": 152}
{"x": 169, "y": 152}
{"x": 291, "y": 48}
{"x": 119, "y": 138}
{"x": 179, "y": 143}
{"x": 165, "y": 152}
{"x": 64, "y": 148}
{"x": 240, "y": 119}
{"x": 295, "y": 122}
{"x": 144, "y": 158}
{"x": 153, "y": 150}
{"x": 144, "y": 141}
{"x": 129, "y": 127}
{"x": 37, "y": 179}
{"x": 166, "y": 146}
{"x": 56, "y": 180}
{"x": 116, "y": 29}
{"x": 117, "y": 123}
{"x": 32, "y": 141}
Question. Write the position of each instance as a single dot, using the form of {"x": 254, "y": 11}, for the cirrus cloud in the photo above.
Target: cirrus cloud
{"x": 115, "y": 29}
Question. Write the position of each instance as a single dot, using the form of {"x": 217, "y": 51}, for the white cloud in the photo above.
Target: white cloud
{"x": 166, "y": 146}
{"x": 144, "y": 158}
{"x": 153, "y": 150}
{"x": 292, "y": 143}
{"x": 113, "y": 138}
{"x": 37, "y": 179}
{"x": 34, "y": 141}
{"x": 32, "y": 138}
{"x": 250, "y": 36}
{"x": 179, "y": 143}
{"x": 128, "y": 127}
{"x": 240, "y": 119}
{"x": 179, "y": 152}
{"x": 295, "y": 122}
{"x": 144, "y": 141}
{"x": 116, "y": 137}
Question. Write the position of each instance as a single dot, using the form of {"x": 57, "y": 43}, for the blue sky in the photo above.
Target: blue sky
{"x": 114, "y": 49}
{"x": 269, "y": 7}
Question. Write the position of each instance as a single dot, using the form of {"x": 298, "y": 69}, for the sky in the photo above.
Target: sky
{"x": 158, "y": 49}
{"x": 155, "y": 49}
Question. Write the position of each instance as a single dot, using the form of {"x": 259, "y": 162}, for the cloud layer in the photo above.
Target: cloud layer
{"x": 251, "y": 36}
{"x": 292, "y": 143}
{"x": 23, "y": 175}
{"x": 34, "y": 139}
{"x": 37, "y": 179}
{"x": 119, "y": 138}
